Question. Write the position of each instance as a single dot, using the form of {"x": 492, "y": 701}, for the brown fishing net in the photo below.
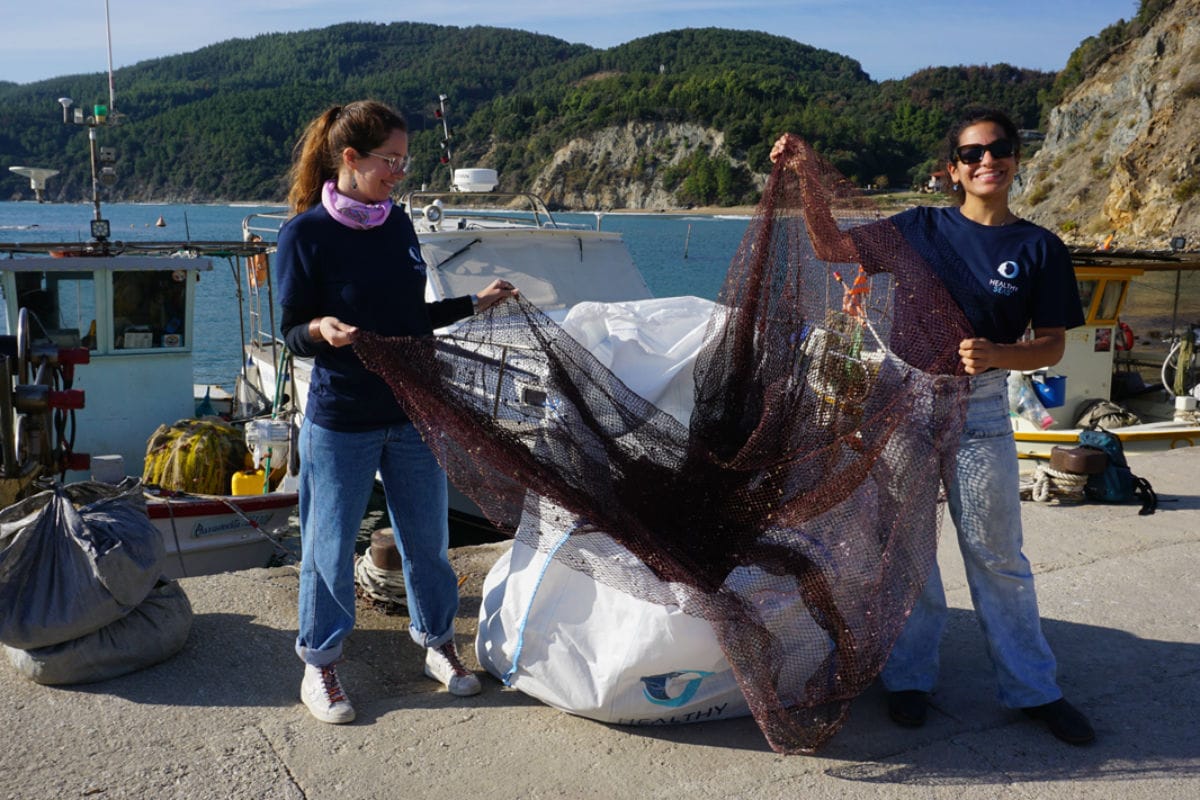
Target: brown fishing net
{"x": 798, "y": 512}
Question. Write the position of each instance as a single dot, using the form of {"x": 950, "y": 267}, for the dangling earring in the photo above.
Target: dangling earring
{"x": 354, "y": 182}
{"x": 954, "y": 188}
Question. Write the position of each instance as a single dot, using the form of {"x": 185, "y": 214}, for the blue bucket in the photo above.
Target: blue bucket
{"x": 1051, "y": 390}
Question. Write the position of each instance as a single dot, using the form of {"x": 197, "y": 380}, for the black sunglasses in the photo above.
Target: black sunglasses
{"x": 973, "y": 153}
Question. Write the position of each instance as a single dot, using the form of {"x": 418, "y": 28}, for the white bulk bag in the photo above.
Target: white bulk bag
{"x": 588, "y": 649}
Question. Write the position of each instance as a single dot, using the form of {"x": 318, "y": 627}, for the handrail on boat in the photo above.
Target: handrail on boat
{"x": 523, "y": 208}
{"x": 1148, "y": 260}
{"x": 252, "y": 224}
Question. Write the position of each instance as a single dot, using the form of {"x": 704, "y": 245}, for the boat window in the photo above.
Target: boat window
{"x": 62, "y": 305}
{"x": 148, "y": 308}
{"x": 1110, "y": 301}
{"x": 1087, "y": 290}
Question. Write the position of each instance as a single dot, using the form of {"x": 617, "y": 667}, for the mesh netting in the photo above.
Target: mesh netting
{"x": 798, "y": 512}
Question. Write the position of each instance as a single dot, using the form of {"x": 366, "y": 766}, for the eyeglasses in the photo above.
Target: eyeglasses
{"x": 396, "y": 164}
{"x": 973, "y": 153}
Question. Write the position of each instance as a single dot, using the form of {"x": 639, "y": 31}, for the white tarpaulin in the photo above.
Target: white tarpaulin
{"x": 651, "y": 345}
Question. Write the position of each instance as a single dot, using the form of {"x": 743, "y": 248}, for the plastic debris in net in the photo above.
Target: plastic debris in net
{"x": 798, "y": 511}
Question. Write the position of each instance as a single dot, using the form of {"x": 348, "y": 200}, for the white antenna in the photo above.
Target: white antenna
{"x": 112, "y": 107}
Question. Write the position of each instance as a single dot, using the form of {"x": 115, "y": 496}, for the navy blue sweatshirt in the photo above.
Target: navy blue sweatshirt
{"x": 373, "y": 279}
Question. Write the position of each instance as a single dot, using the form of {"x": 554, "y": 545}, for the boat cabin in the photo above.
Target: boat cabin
{"x": 135, "y": 316}
{"x": 1101, "y": 361}
{"x": 1087, "y": 361}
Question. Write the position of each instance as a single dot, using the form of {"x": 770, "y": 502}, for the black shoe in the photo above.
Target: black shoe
{"x": 908, "y": 707}
{"x": 1064, "y": 721}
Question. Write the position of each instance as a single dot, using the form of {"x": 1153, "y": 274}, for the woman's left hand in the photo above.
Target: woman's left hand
{"x": 978, "y": 355}
{"x": 496, "y": 291}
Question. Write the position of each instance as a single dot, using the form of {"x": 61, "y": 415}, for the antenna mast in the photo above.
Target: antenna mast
{"x": 102, "y": 158}
{"x": 112, "y": 106}
{"x": 447, "y": 155}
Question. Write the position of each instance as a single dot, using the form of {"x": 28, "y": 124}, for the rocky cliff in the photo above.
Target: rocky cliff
{"x": 623, "y": 166}
{"x": 1122, "y": 151}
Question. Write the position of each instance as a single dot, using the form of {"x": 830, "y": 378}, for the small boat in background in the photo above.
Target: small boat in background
{"x": 123, "y": 313}
{"x": 1144, "y": 391}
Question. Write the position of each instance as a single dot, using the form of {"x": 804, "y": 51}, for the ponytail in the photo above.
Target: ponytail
{"x": 312, "y": 164}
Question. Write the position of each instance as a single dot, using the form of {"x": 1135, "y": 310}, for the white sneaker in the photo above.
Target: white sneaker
{"x": 442, "y": 664}
{"x": 322, "y": 692}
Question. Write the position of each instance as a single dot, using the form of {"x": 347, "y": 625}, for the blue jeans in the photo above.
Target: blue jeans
{"x": 337, "y": 475}
{"x": 986, "y": 509}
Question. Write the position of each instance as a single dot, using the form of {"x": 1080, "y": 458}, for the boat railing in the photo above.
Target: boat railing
{"x": 262, "y": 222}
{"x": 429, "y": 209}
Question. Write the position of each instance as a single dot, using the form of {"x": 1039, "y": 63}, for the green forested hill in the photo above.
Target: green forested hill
{"x": 219, "y": 123}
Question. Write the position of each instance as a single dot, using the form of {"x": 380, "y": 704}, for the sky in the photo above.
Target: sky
{"x": 42, "y": 39}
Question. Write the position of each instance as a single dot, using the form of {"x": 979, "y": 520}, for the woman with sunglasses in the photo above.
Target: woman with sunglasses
{"x": 349, "y": 260}
{"x": 1007, "y": 275}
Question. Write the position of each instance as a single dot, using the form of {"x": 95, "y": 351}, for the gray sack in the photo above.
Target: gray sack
{"x": 152, "y": 632}
{"x": 66, "y": 571}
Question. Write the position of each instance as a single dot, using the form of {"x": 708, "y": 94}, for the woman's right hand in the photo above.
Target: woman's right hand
{"x": 333, "y": 331}
{"x": 783, "y": 145}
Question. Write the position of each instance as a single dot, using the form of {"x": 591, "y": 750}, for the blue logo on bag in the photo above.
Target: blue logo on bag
{"x": 673, "y": 688}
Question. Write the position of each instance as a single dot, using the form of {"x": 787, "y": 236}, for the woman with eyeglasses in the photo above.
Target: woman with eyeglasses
{"x": 349, "y": 260}
{"x": 1007, "y": 275}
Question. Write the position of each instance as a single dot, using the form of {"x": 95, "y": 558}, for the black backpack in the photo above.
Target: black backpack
{"x": 1117, "y": 483}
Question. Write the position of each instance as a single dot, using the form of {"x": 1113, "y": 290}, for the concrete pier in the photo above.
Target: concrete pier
{"x": 1120, "y": 598}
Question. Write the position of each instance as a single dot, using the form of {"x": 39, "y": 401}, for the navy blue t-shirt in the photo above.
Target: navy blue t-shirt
{"x": 1003, "y": 277}
{"x": 374, "y": 279}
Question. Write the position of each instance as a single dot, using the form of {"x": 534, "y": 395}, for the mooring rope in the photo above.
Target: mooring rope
{"x": 384, "y": 586}
{"x": 1052, "y": 484}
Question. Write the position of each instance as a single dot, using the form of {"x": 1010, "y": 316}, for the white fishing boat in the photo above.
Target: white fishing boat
{"x": 469, "y": 235}
{"x": 98, "y": 355}
{"x": 98, "y": 352}
{"x": 1151, "y": 381}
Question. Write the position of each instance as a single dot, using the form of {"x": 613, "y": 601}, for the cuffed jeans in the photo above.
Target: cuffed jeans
{"x": 986, "y": 509}
{"x": 337, "y": 475}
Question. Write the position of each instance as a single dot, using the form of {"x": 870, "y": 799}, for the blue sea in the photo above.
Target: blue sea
{"x": 677, "y": 254}
{"x": 1157, "y": 302}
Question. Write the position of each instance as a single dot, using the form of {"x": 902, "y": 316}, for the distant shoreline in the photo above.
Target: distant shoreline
{"x": 704, "y": 211}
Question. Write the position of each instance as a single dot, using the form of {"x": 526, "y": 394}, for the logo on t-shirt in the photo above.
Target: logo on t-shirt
{"x": 1007, "y": 271}
{"x": 418, "y": 263}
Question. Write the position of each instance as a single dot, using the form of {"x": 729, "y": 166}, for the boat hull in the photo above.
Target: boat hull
{"x": 1147, "y": 437}
{"x": 207, "y": 534}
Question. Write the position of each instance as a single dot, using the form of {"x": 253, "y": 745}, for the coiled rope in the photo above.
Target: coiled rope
{"x": 1050, "y": 484}
{"x": 383, "y": 586}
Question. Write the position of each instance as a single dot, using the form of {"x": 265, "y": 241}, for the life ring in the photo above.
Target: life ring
{"x": 1124, "y": 338}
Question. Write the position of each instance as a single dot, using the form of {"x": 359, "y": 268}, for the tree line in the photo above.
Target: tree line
{"x": 219, "y": 124}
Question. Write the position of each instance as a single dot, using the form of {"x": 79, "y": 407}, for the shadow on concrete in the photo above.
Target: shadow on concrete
{"x": 1139, "y": 693}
